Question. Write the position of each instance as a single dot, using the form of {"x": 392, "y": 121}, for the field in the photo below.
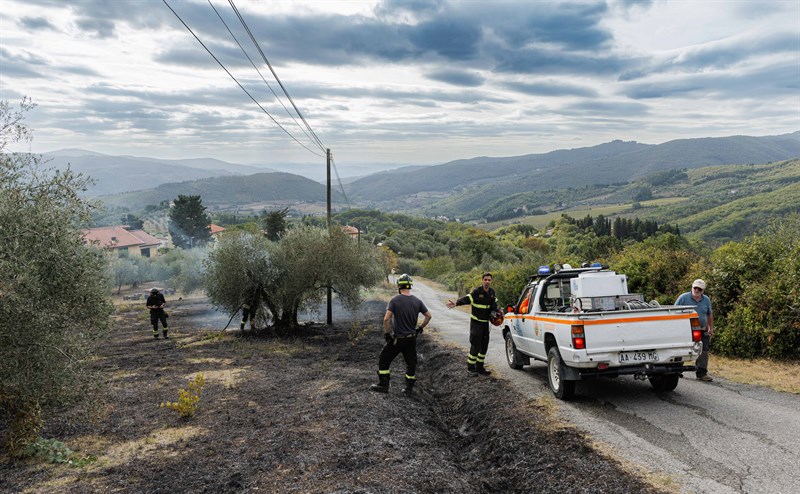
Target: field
{"x": 541, "y": 221}
{"x": 295, "y": 414}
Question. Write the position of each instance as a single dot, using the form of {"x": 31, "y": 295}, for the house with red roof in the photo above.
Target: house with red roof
{"x": 123, "y": 241}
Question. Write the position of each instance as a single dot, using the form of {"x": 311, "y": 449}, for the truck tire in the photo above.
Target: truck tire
{"x": 561, "y": 388}
{"x": 513, "y": 357}
{"x": 665, "y": 382}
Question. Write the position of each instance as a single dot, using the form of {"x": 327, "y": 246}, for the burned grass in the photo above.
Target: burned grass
{"x": 295, "y": 414}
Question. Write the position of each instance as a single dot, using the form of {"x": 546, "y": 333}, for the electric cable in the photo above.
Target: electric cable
{"x": 238, "y": 83}
{"x": 335, "y": 171}
{"x": 274, "y": 74}
{"x": 259, "y": 72}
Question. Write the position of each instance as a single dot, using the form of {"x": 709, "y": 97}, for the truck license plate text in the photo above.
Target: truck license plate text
{"x": 646, "y": 356}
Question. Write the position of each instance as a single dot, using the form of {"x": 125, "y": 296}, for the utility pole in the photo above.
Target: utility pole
{"x": 330, "y": 290}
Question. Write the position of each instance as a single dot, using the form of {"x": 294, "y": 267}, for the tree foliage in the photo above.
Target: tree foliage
{"x": 52, "y": 287}
{"x": 756, "y": 288}
{"x": 275, "y": 223}
{"x": 189, "y": 222}
{"x": 283, "y": 276}
{"x": 660, "y": 268}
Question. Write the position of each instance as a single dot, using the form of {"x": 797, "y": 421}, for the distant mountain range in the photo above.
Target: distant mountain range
{"x": 116, "y": 174}
{"x": 229, "y": 191}
{"x": 476, "y": 182}
{"x": 479, "y": 189}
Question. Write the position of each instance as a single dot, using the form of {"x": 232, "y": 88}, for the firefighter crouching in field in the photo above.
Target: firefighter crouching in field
{"x": 401, "y": 315}
{"x": 155, "y": 302}
{"x": 484, "y": 304}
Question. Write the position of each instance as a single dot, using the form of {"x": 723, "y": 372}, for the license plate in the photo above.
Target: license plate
{"x": 633, "y": 357}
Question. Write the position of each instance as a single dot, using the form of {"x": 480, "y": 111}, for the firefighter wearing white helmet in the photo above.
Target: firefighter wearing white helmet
{"x": 400, "y": 330}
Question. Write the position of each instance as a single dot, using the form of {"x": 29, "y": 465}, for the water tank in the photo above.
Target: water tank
{"x": 599, "y": 284}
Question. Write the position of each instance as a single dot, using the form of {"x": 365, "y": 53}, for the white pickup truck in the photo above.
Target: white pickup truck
{"x": 584, "y": 324}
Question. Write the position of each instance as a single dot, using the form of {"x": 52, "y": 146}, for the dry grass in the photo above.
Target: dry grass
{"x": 780, "y": 376}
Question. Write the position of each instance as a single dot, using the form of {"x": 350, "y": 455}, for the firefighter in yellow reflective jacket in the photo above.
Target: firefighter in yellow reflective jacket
{"x": 483, "y": 302}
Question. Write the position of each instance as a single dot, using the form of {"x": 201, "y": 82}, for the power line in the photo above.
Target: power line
{"x": 341, "y": 187}
{"x": 241, "y": 19}
{"x": 259, "y": 72}
{"x": 239, "y": 84}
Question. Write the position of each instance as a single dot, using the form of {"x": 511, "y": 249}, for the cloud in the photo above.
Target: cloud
{"x": 721, "y": 54}
{"x": 614, "y": 109}
{"x": 457, "y": 77}
{"x": 549, "y": 88}
{"x": 549, "y": 62}
{"x": 99, "y": 28}
{"x": 775, "y": 80}
{"x": 37, "y": 24}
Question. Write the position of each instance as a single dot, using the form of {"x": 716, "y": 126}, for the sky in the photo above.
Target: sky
{"x": 402, "y": 82}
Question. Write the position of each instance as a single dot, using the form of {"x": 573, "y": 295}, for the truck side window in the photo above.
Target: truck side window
{"x": 525, "y": 306}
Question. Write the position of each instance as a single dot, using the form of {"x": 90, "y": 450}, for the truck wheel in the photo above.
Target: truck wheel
{"x": 665, "y": 382}
{"x": 561, "y": 388}
{"x": 514, "y": 358}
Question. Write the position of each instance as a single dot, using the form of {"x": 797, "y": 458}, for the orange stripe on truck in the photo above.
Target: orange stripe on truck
{"x": 589, "y": 322}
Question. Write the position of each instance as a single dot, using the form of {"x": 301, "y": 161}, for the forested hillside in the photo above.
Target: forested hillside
{"x": 460, "y": 187}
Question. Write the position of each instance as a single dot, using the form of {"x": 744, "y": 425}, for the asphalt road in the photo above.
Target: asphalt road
{"x": 717, "y": 437}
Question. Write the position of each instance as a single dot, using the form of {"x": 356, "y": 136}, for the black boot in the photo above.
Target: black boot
{"x": 165, "y": 334}
{"x": 409, "y": 389}
{"x": 481, "y": 370}
{"x": 383, "y": 384}
{"x": 471, "y": 370}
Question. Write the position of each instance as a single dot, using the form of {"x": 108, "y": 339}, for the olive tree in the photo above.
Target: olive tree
{"x": 294, "y": 271}
{"x": 238, "y": 269}
{"x": 53, "y": 303}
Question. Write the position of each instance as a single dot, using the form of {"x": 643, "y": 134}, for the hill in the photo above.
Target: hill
{"x": 231, "y": 191}
{"x": 115, "y": 174}
{"x": 460, "y": 187}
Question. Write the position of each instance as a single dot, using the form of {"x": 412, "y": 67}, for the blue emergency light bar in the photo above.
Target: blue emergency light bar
{"x": 544, "y": 270}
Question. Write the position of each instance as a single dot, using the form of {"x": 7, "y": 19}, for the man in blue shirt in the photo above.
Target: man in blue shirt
{"x": 702, "y": 305}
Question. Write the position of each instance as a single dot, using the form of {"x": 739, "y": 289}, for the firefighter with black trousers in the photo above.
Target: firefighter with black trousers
{"x": 400, "y": 331}
{"x": 484, "y": 307}
{"x": 249, "y": 309}
{"x": 155, "y": 302}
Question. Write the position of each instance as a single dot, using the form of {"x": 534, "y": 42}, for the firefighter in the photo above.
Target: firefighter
{"x": 400, "y": 331}
{"x": 484, "y": 304}
{"x": 155, "y": 302}
{"x": 249, "y": 310}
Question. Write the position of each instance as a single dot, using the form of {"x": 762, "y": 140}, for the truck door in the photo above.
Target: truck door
{"x": 523, "y": 324}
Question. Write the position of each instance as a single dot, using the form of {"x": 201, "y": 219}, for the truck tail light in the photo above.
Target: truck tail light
{"x": 578, "y": 337}
{"x": 697, "y": 332}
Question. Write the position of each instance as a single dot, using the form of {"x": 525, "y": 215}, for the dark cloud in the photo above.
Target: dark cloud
{"x": 393, "y": 9}
{"x": 22, "y": 64}
{"x": 548, "y": 62}
{"x": 615, "y": 109}
{"x": 30, "y": 65}
{"x": 451, "y": 32}
{"x": 572, "y": 26}
{"x": 541, "y": 88}
{"x": 452, "y": 38}
{"x": 98, "y": 28}
{"x": 457, "y": 77}
{"x": 776, "y": 80}
{"x": 629, "y": 4}
{"x": 37, "y": 24}
{"x": 720, "y": 55}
